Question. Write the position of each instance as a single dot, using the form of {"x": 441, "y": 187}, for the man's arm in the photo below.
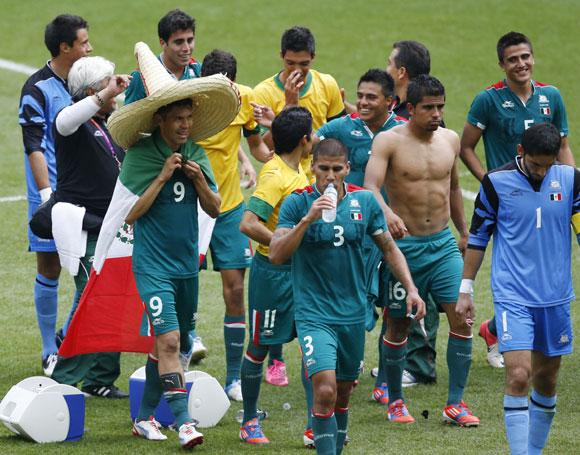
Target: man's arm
{"x": 39, "y": 170}
{"x": 398, "y": 265}
{"x": 247, "y": 171}
{"x": 471, "y": 264}
{"x": 146, "y": 200}
{"x": 254, "y": 228}
{"x": 469, "y": 139}
{"x": 375, "y": 176}
{"x": 565, "y": 154}
{"x": 209, "y": 200}
{"x": 456, "y": 207}
{"x": 259, "y": 149}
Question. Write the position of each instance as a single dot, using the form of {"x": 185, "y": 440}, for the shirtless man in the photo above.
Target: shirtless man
{"x": 416, "y": 162}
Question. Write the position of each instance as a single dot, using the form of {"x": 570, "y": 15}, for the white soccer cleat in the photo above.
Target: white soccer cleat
{"x": 408, "y": 379}
{"x": 148, "y": 429}
{"x": 234, "y": 390}
{"x": 198, "y": 351}
{"x": 494, "y": 357}
{"x": 189, "y": 437}
{"x": 48, "y": 364}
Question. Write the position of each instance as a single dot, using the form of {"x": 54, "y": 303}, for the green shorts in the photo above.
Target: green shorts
{"x": 171, "y": 303}
{"x": 337, "y": 347}
{"x": 230, "y": 249}
{"x": 270, "y": 302}
{"x": 436, "y": 267}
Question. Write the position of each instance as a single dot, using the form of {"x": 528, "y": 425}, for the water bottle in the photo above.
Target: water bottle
{"x": 330, "y": 215}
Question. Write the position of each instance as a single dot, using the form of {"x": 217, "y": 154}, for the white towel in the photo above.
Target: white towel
{"x": 69, "y": 237}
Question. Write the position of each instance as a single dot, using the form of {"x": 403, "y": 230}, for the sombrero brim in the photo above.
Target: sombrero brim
{"x": 216, "y": 102}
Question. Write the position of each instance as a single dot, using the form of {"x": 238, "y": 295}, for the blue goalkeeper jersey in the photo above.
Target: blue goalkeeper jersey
{"x": 328, "y": 268}
{"x": 503, "y": 118}
{"x": 530, "y": 225}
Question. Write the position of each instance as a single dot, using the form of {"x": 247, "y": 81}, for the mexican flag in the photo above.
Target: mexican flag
{"x": 110, "y": 316}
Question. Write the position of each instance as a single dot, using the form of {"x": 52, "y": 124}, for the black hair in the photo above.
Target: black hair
{"x": 219, "y": 62}
{"x": 62, "y": 29}
{"x": 511, "y": 39}
{"x": 174, "y": 21}
{"x": 542, "y": 139}
{"x": 414, "y": 56}
{"x": 424, "y": 85}
{"x": 329, "y": 147}
{"x": 289, "y": 127}
{"x": 381, "y": 78}
{"x": 297, "y": 39}
{"x": 164, "y": 110}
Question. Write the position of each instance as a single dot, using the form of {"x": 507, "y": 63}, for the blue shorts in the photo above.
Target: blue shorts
{"x": 336, "y": 347}
{"x": 230, "y": 249}
{"x": 524, "y": 328}
{"x": 35, "y": 243}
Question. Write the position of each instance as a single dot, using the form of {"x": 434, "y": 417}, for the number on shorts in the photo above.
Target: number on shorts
{"x": 308, "y": 345}
{"x": 397, "y": 291}
{"x": 179, "y": 190}
{"x": 538, "y": 217}
{"x": 269, "y": 319}
{"x": 156, "y": 306}
{"x": 338, "y": 235}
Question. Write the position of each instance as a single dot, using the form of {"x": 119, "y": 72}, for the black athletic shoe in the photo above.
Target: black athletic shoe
{"x": 104, "y": 391}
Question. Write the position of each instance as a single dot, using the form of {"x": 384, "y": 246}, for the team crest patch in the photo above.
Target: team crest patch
{"x": 356, "y": 133}
{"x": 356, "y": 216}
{"x": 543, "y": 99}
{"x": 508, "y": 104}
{"x": 564, "y": 339}
{"x": 555, "y": 196}
{"x": 555, "y": 184}
{"x": 354, "y": 203}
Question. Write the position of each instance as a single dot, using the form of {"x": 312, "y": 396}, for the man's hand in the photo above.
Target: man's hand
{"x": 248, "y": 174}
{"x": 171, "y": 163}
{"x": 193, "y": 171}
{"x": 264, "y": 115}
{"x": 415, "y": 301}
{"x": 292, "y": 87}
{"x": 462, "y": 243}
{"x": 118, "y": 83}
{"x": 465, "y": 308}
{"x": 320, "y": 204}
{"x": 396, "y": 226}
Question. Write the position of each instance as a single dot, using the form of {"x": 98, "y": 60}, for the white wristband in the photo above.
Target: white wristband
{"x": 466, "y": 287}
{"x": 45, "y": 194}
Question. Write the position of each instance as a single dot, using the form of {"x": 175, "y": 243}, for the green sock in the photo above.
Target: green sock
{"x": 275, "y": 354}
{"x": 307, "y": 385}
{"x": 341, "y": 415}
{"x": 458, "y": 363}
{"x": 234, "y": 333}
{"x": 325, "y": 432}
{"x": 152, "y": 390}
{"x": 394, "y": 355}
{"x": 252, "y": 366}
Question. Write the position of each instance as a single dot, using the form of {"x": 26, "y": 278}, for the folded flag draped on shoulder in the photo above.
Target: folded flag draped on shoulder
{"x": 110, "y": 316}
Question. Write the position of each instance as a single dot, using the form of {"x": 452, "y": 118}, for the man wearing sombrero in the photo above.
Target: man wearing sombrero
{"x": 163, "y": 176}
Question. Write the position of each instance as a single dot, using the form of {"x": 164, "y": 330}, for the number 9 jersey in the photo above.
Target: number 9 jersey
{"x": 328, "y": 268}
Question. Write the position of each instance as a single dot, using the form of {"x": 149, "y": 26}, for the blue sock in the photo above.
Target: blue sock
{"x": 46, "y": 302}
{"x": 517, "y": 423}
{"x": 234, "y": 334}
{"x": 458, "y": 363}
{"x": 307, "y": 385}
{"x": 325, "y": 432}
{"x": 542, "y": 411}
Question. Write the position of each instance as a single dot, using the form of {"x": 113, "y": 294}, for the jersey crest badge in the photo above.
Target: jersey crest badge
{"x": 508, "y": 104}
{"x": 543, "y": 99}
{"x": 354, "y": 203}
{"x": 555, "y": 184}
{"x": 555, "y": 197}
{"x": 356, "y": 133}
{"x": 356, "y": 216}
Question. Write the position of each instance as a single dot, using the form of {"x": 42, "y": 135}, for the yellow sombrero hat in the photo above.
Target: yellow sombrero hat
{"x": 216, "y": 102}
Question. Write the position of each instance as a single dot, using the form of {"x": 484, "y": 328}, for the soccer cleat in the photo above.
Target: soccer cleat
{"x": 381, "y": 394}
{"x": 48, "y": 364}
{"x": 234, "y": 390}
{"x": 408, "y": 380}
{"x": 148, "y": 429}
{"x": 399, "y": 413}
{"x": 276, "y": 374}
{"x": 494, "y": 357}
{"x": 251, "y": 432}
{"x": 460, "y": 414}
{"x": 189, "y": 437}
{"x": 104, "y": 391}
{"x": 198, "y": 350}
{"x": 374, "y": 372}
{"x": 308, "y": 438}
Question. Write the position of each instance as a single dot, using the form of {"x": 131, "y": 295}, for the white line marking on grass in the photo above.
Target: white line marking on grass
{"x": 470, "y": 195}
{"x": 12, "y": 198}
{"x": 17, "y": 67}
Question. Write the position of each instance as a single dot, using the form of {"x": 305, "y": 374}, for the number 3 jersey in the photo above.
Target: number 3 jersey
{"x": 530, "y": 225}
{"x": 328, "y": 268}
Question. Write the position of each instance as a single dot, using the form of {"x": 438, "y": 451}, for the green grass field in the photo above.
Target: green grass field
{"x": 351, "y": 37}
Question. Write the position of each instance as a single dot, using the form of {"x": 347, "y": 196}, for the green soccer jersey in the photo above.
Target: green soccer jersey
{"x": 328, "y": 268}
{"x": 503, "y": 118}
{"x": 166, "y": 237}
